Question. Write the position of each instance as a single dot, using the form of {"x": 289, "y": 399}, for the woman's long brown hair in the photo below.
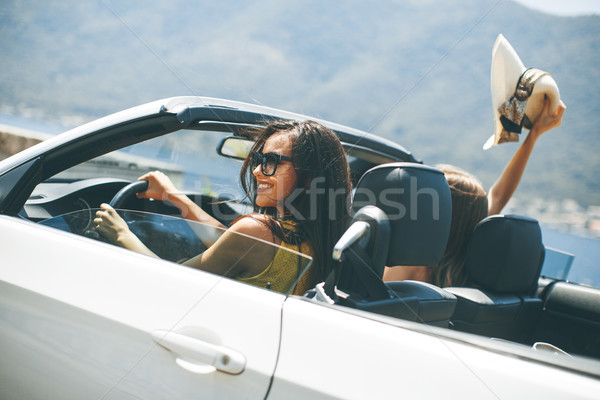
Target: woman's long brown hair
{"x": 469, "y": 206}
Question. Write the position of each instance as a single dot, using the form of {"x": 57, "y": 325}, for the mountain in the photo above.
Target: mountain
{"x": 416, "y": 71}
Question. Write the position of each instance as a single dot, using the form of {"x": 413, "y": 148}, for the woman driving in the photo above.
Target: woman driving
{"x": 298, "y": 180}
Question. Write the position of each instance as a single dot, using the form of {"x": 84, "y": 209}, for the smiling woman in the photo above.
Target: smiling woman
{"x": 318, "y": 204}
{"x": 274, "y": 185}
{"x": 280, "y": 175}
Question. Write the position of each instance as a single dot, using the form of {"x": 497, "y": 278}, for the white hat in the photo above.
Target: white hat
{"x": 515, "y": 107}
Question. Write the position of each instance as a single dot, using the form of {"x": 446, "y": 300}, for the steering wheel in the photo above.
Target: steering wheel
{"x": 124, "y": 194}
{"x": 117, "y": 201}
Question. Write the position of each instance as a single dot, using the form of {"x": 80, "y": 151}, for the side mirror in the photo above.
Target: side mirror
{"x": 235, "y": 147}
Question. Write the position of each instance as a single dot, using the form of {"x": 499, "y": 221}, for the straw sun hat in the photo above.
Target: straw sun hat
{"x": 517, "y": 94}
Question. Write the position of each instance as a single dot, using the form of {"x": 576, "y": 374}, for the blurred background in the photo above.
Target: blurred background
{"x": 414, "y": 71}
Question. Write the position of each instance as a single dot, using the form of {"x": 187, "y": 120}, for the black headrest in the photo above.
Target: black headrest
{"x": 505, "y": 254}
{"x": 416, "y": 199}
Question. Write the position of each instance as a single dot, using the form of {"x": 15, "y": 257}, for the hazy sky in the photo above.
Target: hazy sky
{"x": 564, "y": 7}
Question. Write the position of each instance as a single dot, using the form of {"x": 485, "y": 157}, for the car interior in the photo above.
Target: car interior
{"x": 510, "y": 300}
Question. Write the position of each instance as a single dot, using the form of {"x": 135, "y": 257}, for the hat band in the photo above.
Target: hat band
{"x": 512, "y": 112}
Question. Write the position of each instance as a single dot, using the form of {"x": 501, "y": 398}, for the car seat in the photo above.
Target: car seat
{"x": 402, "y": 217}
{"x": 505, "y": 254}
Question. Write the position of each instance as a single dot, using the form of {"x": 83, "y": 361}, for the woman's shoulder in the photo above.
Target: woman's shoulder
{"x": 254, "y": 225}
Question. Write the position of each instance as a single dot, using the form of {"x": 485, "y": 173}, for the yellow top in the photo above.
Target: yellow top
{"x": 286, "y": 267}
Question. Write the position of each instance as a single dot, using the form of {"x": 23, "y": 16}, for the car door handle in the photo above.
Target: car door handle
{"x": 193, "y": 350}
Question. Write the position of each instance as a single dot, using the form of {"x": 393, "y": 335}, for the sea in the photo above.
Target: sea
{"x": 584, "y": 269}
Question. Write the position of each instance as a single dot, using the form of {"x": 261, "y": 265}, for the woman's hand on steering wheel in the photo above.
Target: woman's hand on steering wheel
{"x": 111, "y": 225}
{"x": 160, "y": 186}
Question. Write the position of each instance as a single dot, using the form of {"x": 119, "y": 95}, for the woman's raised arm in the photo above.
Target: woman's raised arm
{"x": 507, "y": 183}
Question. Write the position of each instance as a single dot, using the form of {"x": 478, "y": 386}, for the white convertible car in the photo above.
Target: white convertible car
{"x": 83, "y": 319}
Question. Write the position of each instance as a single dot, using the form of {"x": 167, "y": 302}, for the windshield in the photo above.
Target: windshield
{"x": 179, "y": 241}
{"x": 187, "y": 156}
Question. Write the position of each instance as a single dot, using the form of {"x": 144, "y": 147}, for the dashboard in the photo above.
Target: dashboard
{"x": 58, "y": 197}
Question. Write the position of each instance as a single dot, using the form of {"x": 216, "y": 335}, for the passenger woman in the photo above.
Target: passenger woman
{"x": 298, "y": 180}
{"x": 470, "y": 204}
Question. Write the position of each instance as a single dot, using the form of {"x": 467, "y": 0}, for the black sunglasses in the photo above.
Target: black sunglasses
{"x": 268, "y": 162}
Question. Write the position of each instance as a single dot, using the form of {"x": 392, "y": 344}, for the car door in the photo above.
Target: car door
{"x": 84, "y": 319}
{"x": 330, "y": 351}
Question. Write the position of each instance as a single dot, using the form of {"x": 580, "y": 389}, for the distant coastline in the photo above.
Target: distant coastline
{"x": 30, "y": 124}
{"x": 565, "y": 215}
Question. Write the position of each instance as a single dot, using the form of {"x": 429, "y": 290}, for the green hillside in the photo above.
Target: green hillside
{"x": 413, "y": 71}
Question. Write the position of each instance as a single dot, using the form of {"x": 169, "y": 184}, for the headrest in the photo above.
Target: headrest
{"x": 505, "y": 254}
{"x": 416, "y": 199}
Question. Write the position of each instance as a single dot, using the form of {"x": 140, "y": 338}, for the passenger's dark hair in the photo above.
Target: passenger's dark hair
{"x": 469, "y": 206}
{"x": 320, "y": 163}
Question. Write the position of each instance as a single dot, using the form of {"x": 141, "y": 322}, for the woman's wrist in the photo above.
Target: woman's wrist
{"x": 129, "y": 241}
{"x": 533, "y": 135}
{"x": 182, "y": 202}
{"x": 125, "y": 238}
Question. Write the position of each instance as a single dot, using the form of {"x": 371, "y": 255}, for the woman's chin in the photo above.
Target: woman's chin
{"x": 264, "y": 203}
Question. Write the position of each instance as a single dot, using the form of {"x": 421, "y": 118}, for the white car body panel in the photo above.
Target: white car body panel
{"x": 108, "y": 302}
{"x": 414, "y": 361}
